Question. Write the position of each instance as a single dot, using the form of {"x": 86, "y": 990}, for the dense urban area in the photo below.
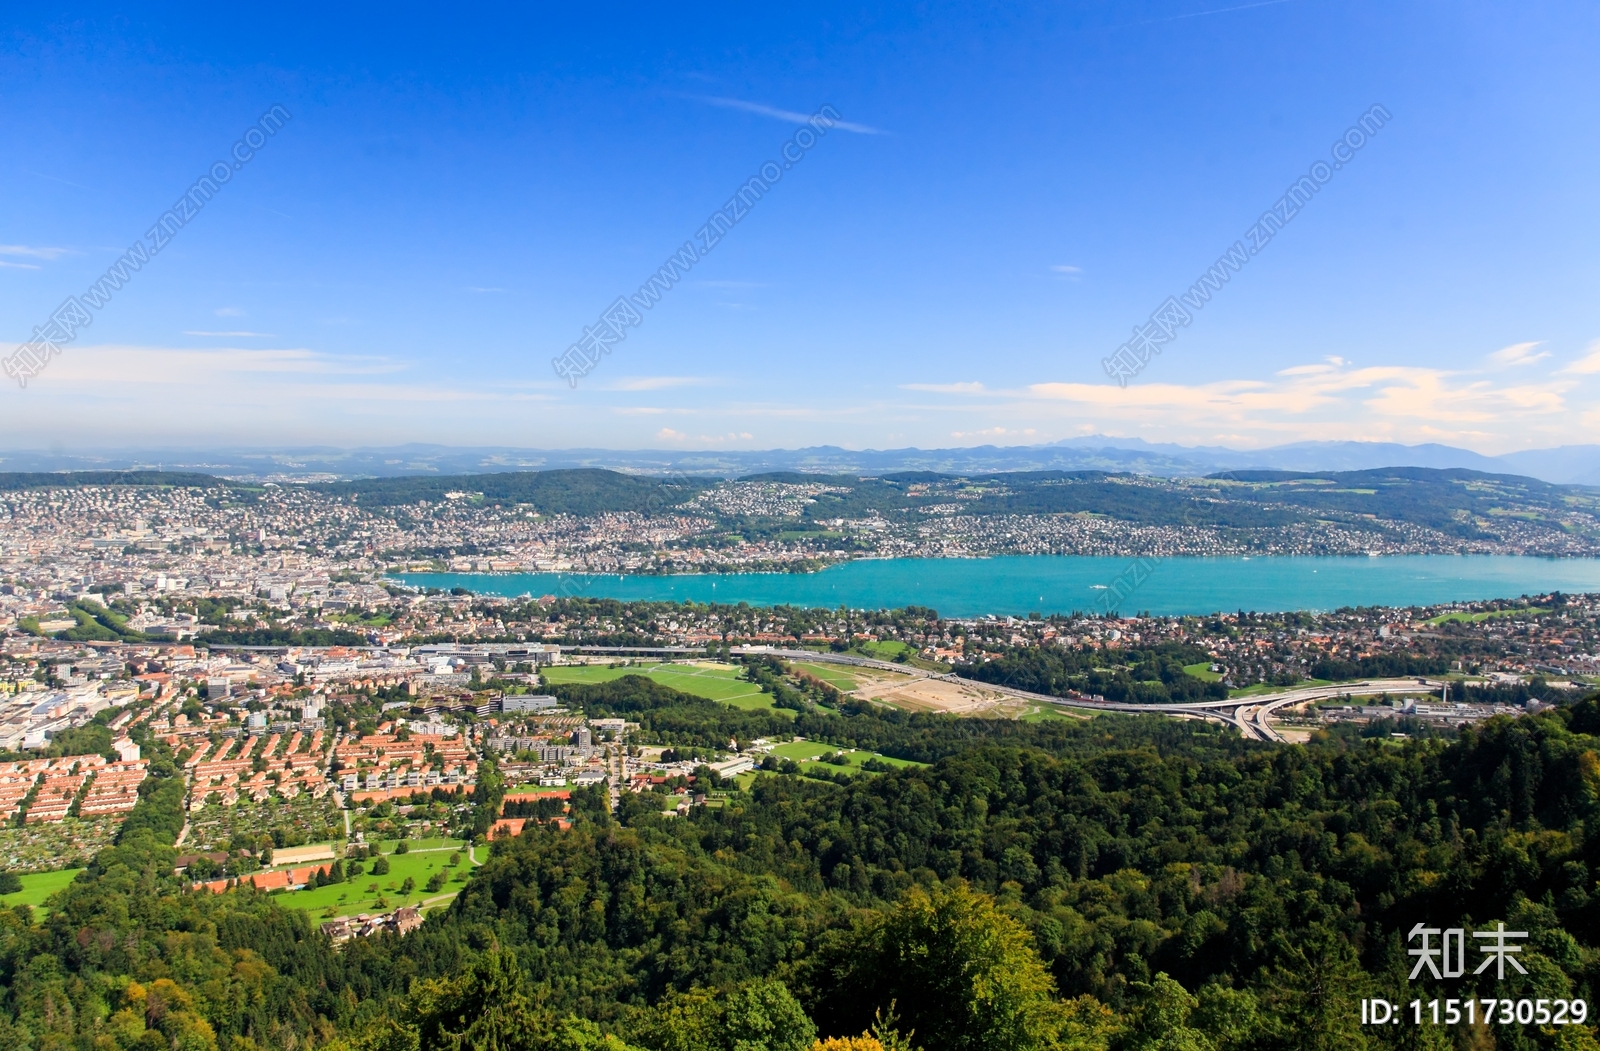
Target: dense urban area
{"x": 255, "y": 793}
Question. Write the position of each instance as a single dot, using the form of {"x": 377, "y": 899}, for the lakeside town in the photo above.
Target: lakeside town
{"x": 209, "y": 537}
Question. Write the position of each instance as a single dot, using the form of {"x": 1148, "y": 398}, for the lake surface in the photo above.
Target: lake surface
{"x": 959, "y": 587}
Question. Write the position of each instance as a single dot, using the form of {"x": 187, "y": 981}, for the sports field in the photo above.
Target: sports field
{"x": 835, "y": 675}
{"x": 717, "y": 682}
{"x": 369, "y": 893}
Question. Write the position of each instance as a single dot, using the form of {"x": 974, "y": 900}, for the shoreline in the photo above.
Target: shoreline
{"x": 1022, "y": 584}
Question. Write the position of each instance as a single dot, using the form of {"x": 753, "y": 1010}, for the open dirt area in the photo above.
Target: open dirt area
{"x": 937, "y": 695}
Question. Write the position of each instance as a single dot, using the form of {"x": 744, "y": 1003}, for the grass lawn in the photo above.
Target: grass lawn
{"x": 1040, "y": 713}
{"x": 835, "y": 675}
{"x": 886, "y": 650}
{"x": 717, "y": 682}
{"x": 387, "y": 846}
{"x": 807, "y": 751}
{"x": 1202, "y": 671}
{"x": 1477, "y": 618}
{"x": 356, "y": 895}
{"x": 37, "y": 886}
{"x": 1265, "y": 688}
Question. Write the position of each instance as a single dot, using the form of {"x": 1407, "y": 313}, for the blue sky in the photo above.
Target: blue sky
{"x": 460, "y": 191}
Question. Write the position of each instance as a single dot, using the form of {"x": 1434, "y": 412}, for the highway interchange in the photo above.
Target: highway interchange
{"x": 1250, "y": 715}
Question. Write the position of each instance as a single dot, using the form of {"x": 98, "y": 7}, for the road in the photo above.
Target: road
{"x": 1250, "y": 715}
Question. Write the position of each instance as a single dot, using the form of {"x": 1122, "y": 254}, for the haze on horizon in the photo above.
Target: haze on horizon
{"x": 1001, "y": 195}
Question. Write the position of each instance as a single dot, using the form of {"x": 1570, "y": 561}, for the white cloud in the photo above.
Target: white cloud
{"x": 1518, "y": 354}
{"x": 946, "y": 388}
{"x": 1071, "y": 273}
{"x": 997, "y": 432}
{"x": 788, "y": 115}
{"x": 163, "y": 366}
{"x": 1321, "y": 401}
{"x": 17, "y": 266}
{"x": 229, "y": 312}
{"x": 656, "y": 382}
{"x": 32, "y": 252}
{"x": 667, "y": 434}
{"x": 1587, "y": 365}
{"x": 149, "y": 393}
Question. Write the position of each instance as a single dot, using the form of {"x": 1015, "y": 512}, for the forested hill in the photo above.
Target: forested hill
{"x": 1115, "y": 884}
{"x": 577, "y": 491}
{"x": 11, "y": 481}
{"x": 1461, "y": 504}
{"x": 1454, "y": 502}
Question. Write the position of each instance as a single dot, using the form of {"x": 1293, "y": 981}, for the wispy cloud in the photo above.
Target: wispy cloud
{"x": 122, "y": 365}
{"x": 1201, "y": 14}
{"x": 946, "y": 388}
{"x": 1587, "y": 365}
{"x": 657, "y": 382}
{"x": 474, "y": 288}
{"x": 787, "y": 115}
{"x": 997, "y": 432}
{"x": 1325, "y": 400}
{"x": 1517, "y": 354}
{"x": 18, "y": 266}
{"x": 1071, "y": 273}
{"x": 32, "y": 251}
{"x": 252, "y": 335}
{"x": 667, "y": 434}
{"x": 229, "y": 312}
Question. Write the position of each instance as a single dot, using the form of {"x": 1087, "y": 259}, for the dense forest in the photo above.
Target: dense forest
{"x": 11, "y": 481}
{"x": 1120, "y": 883}
{"x": 1154, "y": 675}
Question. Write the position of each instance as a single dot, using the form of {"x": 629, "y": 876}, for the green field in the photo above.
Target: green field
{"x": 1044, "y": 712}
{"x": 1261, "y": 688}
{"x": 717, "y": 682}
{"x": 887, "y": 650}
{"x": 837, "y": 676}
{"x": 1477, "y": 618}
{"x": 37, "y": 886}
{"x": 807, "y": 751}
{"x": 1202, "y": 671}
{"x": 353, "y": 896}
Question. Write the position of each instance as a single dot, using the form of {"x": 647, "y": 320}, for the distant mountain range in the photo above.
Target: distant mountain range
{"x": 1568, "y": 464}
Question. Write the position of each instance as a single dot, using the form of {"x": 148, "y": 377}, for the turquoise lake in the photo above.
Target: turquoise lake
{"x": 1021, "y": 584}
